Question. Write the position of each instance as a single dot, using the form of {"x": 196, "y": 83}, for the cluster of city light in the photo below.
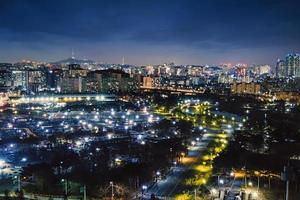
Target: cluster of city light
{"x": 3, "y": 163}
{"x": 53, "y": 99}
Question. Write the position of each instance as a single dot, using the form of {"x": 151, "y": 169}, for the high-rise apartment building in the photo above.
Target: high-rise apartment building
{"x": 281, "y": 69}
{"x": 290, "y": 67}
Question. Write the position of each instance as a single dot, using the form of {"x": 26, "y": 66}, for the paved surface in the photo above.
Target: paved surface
{"x": 170, "y": 186}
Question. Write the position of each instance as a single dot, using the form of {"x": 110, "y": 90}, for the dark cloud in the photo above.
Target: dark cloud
{"x": 211, "y": 29}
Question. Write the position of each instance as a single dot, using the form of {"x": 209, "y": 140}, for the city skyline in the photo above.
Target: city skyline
{"x": 149, "y": 99}
{"x": 193, "y": 32}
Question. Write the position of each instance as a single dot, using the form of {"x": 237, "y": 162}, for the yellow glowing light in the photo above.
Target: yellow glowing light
{"x": 203, "y": 168}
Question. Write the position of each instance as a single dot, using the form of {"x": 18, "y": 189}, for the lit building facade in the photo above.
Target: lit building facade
{"x": 290, "y": 67}
{"x": 245, "y": 88}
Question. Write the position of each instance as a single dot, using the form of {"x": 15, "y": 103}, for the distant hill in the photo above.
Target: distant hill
{"x": 74, "y": 61}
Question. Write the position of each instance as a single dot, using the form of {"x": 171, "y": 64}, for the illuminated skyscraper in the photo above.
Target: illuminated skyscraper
{"x": 297, "y": 65}
{"x": 281, "y": 69}
{"x": 293, "y": 64}
{"x": 290, "y": 67}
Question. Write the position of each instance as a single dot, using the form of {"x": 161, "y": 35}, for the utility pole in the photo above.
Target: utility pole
{"x": 286, "y": 176}
{"x": 287, "y": 190}
{"x": 195, "y": 194}
{"x": 112, "y": 190}
{"x": 84, "y": 192}
{"x": 66, "y": 188}
{"x": 19, "y": 183}
{"x": 245, "y": 177}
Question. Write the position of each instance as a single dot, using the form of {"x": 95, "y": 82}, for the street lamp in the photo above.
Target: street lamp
{"x": 18, "y": 178}
{"x": 144, "y": 187}
{"x": 214, "y": 192}
{"x": 221, "y": 181}
{"x": 157, "y": 175}
{"x": 112, "y": 190}
{"x": 66, "y": 186}
{"x": 250, "y": 184}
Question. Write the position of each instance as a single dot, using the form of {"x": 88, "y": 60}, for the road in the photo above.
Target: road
{"x": 169, "y": 187}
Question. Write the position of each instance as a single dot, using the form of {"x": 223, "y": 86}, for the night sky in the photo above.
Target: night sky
{"x": 150, "y": 31}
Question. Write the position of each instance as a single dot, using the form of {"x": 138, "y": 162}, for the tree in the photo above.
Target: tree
{"x": 185, "y": 127}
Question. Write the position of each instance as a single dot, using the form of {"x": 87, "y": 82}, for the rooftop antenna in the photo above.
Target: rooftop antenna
{"x": 123, "y": 60}
{"x": 73, "y": 54}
